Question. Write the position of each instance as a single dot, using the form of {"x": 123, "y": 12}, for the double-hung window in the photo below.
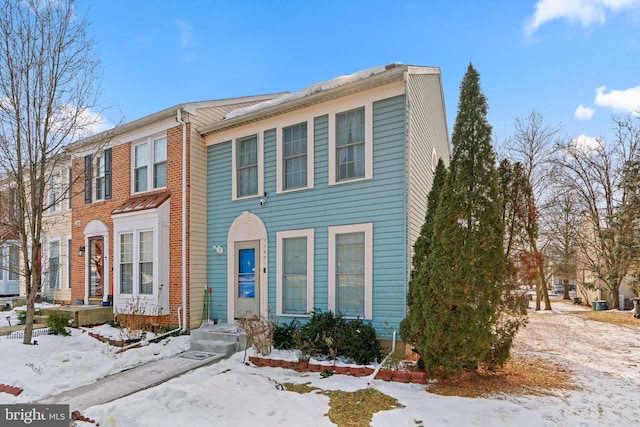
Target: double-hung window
{"x": 351, "y": 270}
{"x": 294, "y": 284}
{"x": 55, "y": 192}
{"x": 246, "y": 156}
{"x": 350, "y": 148}
{"x": 126, "y": 263}
{"x": 351, "y": 145}
{"x": 136, "y": 262}
{"x": 145, "y": 262}
{"x": 100, "y": 177}
{"x": 54, "y": 264}
{"x": 294, "y": 156}
{"x": 150, "y": 165}
{"x": 97, "y": 177}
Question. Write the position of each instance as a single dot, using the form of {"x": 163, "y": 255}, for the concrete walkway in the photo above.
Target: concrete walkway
{"x": 133, "y": 380}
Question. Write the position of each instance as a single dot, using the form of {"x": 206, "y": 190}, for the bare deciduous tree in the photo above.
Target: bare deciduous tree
{"x": 48, "y": 85}
{"x": 595, "y": 174}
{"x": 532, "y": 146}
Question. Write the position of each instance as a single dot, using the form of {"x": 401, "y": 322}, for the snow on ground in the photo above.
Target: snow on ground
{"x": 62, "y": 363}
{"x": 604, "y": 358}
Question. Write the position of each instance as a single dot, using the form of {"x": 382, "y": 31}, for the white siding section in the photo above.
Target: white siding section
{"x": 426, "y": 132}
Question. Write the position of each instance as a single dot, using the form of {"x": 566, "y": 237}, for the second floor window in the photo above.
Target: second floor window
{"x": 247, "y": 166}
{"x": 350, "y": 145}
{"x": 100, "y": 177}
{"x": 150, "y": 165}
{"x": 294, "y": 151}
{"x": 55, "y": 192}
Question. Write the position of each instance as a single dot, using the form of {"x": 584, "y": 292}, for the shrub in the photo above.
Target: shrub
{"x": 284, "y": 335}
{"x": 319, "y": 333}
{"x": 358, "y": 341}
{"x": 58, "y": 322}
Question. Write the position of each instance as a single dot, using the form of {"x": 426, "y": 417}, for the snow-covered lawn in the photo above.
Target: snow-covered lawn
{"x": 604, "y": 360}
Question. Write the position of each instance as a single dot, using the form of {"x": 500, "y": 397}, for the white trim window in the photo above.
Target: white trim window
{"x": 136, "y": 262}
{"x": 100, "y": 177}
{"x": 141, "y": 267}
{"x": 247, "y": 180}
{"x": 126, "y": 263}
{"x": 295, "y": 158}
{"x": 53, "y": 264}
{"x": 351, "y": 145}
{"x": 149, "y": 165}
{"x": 55, "y": 191}
{"x": 294, "y": 283}
{"x": 351, "y": 270}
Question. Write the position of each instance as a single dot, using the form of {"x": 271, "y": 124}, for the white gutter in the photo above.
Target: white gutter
{"x": 184, "y": 216}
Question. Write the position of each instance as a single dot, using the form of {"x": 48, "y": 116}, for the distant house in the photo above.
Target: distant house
{"x": 315, "y": 199}
{"x": 138, "y": 224}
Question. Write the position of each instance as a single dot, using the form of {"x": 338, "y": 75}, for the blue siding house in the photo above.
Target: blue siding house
{"x": 315, "y": 198}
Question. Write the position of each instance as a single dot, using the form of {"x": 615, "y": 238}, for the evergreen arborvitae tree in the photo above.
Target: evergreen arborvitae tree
{"x": 466, "y": 266}
{"x": 411, "y": 327}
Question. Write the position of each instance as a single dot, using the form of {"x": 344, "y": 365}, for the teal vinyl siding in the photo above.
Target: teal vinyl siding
{"x": 380, "y": 201}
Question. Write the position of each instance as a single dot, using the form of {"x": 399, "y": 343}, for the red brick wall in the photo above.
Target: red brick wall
{"x": 83, "y": 213}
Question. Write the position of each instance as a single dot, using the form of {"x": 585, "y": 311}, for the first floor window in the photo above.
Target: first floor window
{"x": 126, "y": 263}
{"x": 294, "y": 275}
{"x": 295, "y": 259}
{"x": 54, "y": 264}
{"x": 1, "y": 263}
{"x": 146, "y": 262}
{"x": 351, "y": 270}
{"x": 350, "y": 274}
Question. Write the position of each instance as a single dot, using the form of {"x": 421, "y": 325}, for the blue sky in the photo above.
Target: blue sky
{"x": 575, "y": 61}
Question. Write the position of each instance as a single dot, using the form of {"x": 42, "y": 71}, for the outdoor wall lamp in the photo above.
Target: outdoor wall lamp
{"x": 219, "y": 249}
{"x": 81, "y": 251}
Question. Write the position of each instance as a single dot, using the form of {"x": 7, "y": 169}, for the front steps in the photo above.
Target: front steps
{"x": 218, "y": 339}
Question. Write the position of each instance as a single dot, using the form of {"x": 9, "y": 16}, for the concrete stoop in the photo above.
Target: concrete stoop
{"x": 218, "y": 339}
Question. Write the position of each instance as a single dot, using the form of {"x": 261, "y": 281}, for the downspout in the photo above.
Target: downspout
{"x": 184, "y": 217}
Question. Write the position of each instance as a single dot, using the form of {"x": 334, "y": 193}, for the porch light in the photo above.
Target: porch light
{"x": 81, "y": 251}
{"x": 219, "y": 249}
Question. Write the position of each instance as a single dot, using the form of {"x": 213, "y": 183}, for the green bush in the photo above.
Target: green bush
{"x": 333, "y": 335}
{"x": 284, "y": 335}
{"x": 58, "y": 322}
{"x": 22, "y": 317}
{"x": 319, "y": 333}
{"x": 359, "y": 342}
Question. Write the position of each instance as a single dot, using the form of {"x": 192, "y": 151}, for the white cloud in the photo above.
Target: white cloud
{"x": 587, "y": 143}
{"x": 185, "y": 31}
{"x": 585, "y": 12}
{"x": 584, "y": 113}
{"x": 627, "y": 100}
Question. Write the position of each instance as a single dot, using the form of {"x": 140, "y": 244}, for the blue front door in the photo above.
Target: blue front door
{"x": 247, "y": 279}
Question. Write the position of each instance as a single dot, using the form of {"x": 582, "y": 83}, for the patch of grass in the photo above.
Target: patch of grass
{"x": 356, "y": 409}
{"x": 350, "y": 409}
{"x": 299, "y": 388}
{"x": 521, "y": 375}
{"x": 614, "y": 317}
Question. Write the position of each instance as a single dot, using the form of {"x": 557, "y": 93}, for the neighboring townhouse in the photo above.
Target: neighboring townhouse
{"x": 53, "y": 260}
{"x": 56, "y": 246}
{"x": 315, "y": 199}
{"x": 138, "y": 219}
